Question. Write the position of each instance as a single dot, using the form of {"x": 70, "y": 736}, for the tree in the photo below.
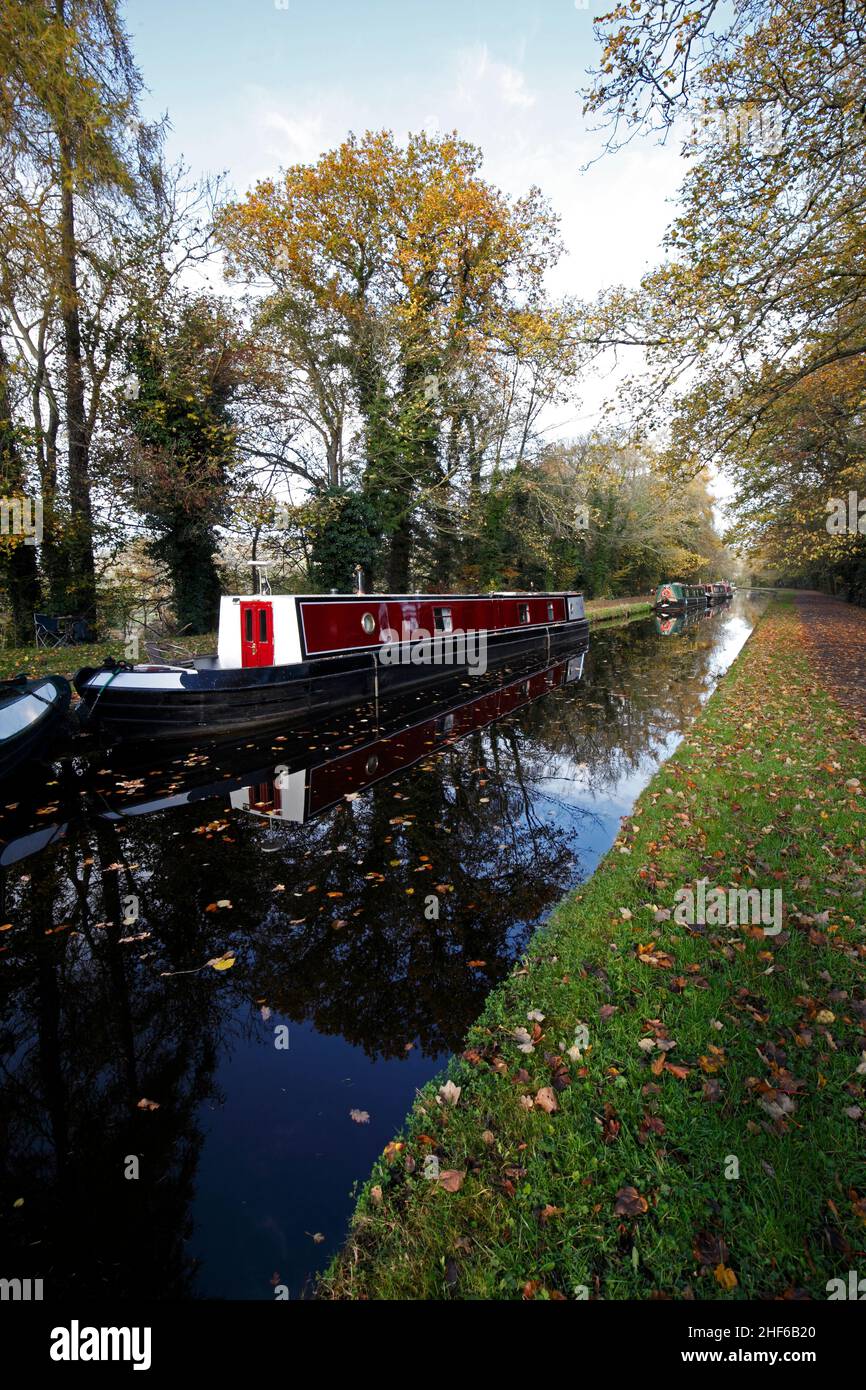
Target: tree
{"x": 764, "y": 281}
{"x": 754, "y": 327}
{"x": 187, "y": 362}
{"x": 395, "y": 278}
{"x": 71, "y": 142}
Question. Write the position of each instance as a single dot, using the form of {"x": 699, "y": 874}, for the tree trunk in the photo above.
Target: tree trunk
{"x": 82, "y": 570}
{"x": 19, "y": 568}
{"x": 398, "y": 558}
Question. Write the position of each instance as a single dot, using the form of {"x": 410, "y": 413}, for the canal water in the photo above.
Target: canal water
{"x": 224, "y": 972}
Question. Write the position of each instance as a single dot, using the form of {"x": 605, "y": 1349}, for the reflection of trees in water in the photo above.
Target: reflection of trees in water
{"x": 88, "y": 1031}
{"x": 390, "y": 974}
{"x": 637, "y": 693}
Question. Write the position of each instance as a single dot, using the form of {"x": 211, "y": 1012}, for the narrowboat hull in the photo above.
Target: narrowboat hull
{"x": 166, "y": 702}
{"x": 32, "y": 714}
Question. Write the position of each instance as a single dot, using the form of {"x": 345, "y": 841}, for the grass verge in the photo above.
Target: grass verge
{"x": 605, "y": 610}
{"x": 65, "y": 661}
{"x": 650, "y": 1109}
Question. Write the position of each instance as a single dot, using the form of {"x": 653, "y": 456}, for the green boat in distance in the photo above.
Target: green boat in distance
{"x": 676, "y": 596}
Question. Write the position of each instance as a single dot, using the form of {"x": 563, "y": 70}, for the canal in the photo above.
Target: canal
{"x": 224, "y": 973}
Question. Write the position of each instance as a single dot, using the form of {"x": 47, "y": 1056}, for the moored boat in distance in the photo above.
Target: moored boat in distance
{"x": 282, "y": 658}
{"x": 675, "y": 596}
{"x": 31, "y": 715}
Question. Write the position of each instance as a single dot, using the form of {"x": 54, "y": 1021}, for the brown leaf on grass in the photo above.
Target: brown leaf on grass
{"x": 726, "y": 1277}
{"x": 547, "y": 1213}
{"x": 606, "y": 1011}
{"x": 679, "y": 1072}
{"x": 709, "y": 1249}
{"x": 546, "y": 1100}
{"x": 629, "y": 1202}
{"x": 659, "y": 959}
{"x": 650, "y": 1124}
{"x": 451, "y": 1180}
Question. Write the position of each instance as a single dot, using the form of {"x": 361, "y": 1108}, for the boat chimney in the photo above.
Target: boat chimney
{"x": 261, "y": 583}
{"x": 359, "y": 579}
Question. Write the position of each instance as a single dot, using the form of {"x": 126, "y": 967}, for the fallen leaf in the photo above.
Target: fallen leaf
{"x": 629, "y": 1202}
{"x": 451, "y": 1180}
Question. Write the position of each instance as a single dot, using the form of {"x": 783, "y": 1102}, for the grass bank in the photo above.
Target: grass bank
{"x": 601, "y": 610}
{"x": 65, "y": 661}
{"x": 653, "y": 1109}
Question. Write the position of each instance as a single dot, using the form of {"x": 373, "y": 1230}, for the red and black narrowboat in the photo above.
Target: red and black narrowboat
{"x": 284, "y": 658}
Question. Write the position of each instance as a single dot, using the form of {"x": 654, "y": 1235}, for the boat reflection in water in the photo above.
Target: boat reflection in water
{"x": 673, "y": 625}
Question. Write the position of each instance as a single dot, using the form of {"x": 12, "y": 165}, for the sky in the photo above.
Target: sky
{"x": 253, "y": 85}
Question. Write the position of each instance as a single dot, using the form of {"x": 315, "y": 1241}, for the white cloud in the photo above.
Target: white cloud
{"x": 481, "y": 78}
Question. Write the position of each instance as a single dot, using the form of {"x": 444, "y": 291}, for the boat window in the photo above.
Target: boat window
{"x": 523, "y": 612}
{"x": 368, "y": 623}
{"x": 442, "y": 619}
{"x": 550, "y": 612}
{"x": 248, "y": 621}
{"x": 263, "y": 625}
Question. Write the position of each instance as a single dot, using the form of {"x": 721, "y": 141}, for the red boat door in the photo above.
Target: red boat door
{"x": 257, "y": 634}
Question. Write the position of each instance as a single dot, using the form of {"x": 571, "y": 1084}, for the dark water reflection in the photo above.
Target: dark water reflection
{"x": 319, "y": 863}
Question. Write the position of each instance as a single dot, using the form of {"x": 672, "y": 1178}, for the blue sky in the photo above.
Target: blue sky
{"x": 251, "y": 86}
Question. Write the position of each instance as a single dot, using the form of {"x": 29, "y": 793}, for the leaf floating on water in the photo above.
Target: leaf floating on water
{"x": 361, "y": 1117}
{"x": 145, "y": 1104}
{"x": 224, "y": 962}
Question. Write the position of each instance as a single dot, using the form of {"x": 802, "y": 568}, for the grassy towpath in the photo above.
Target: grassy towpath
{"x": 655, "y": 1109}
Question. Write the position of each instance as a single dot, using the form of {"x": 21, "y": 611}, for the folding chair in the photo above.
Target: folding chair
{"x": 49, "y": 630}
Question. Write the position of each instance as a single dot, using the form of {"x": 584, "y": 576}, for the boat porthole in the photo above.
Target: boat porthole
{"x": 368, "y": 622}
{"x": 371, "y": 765}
